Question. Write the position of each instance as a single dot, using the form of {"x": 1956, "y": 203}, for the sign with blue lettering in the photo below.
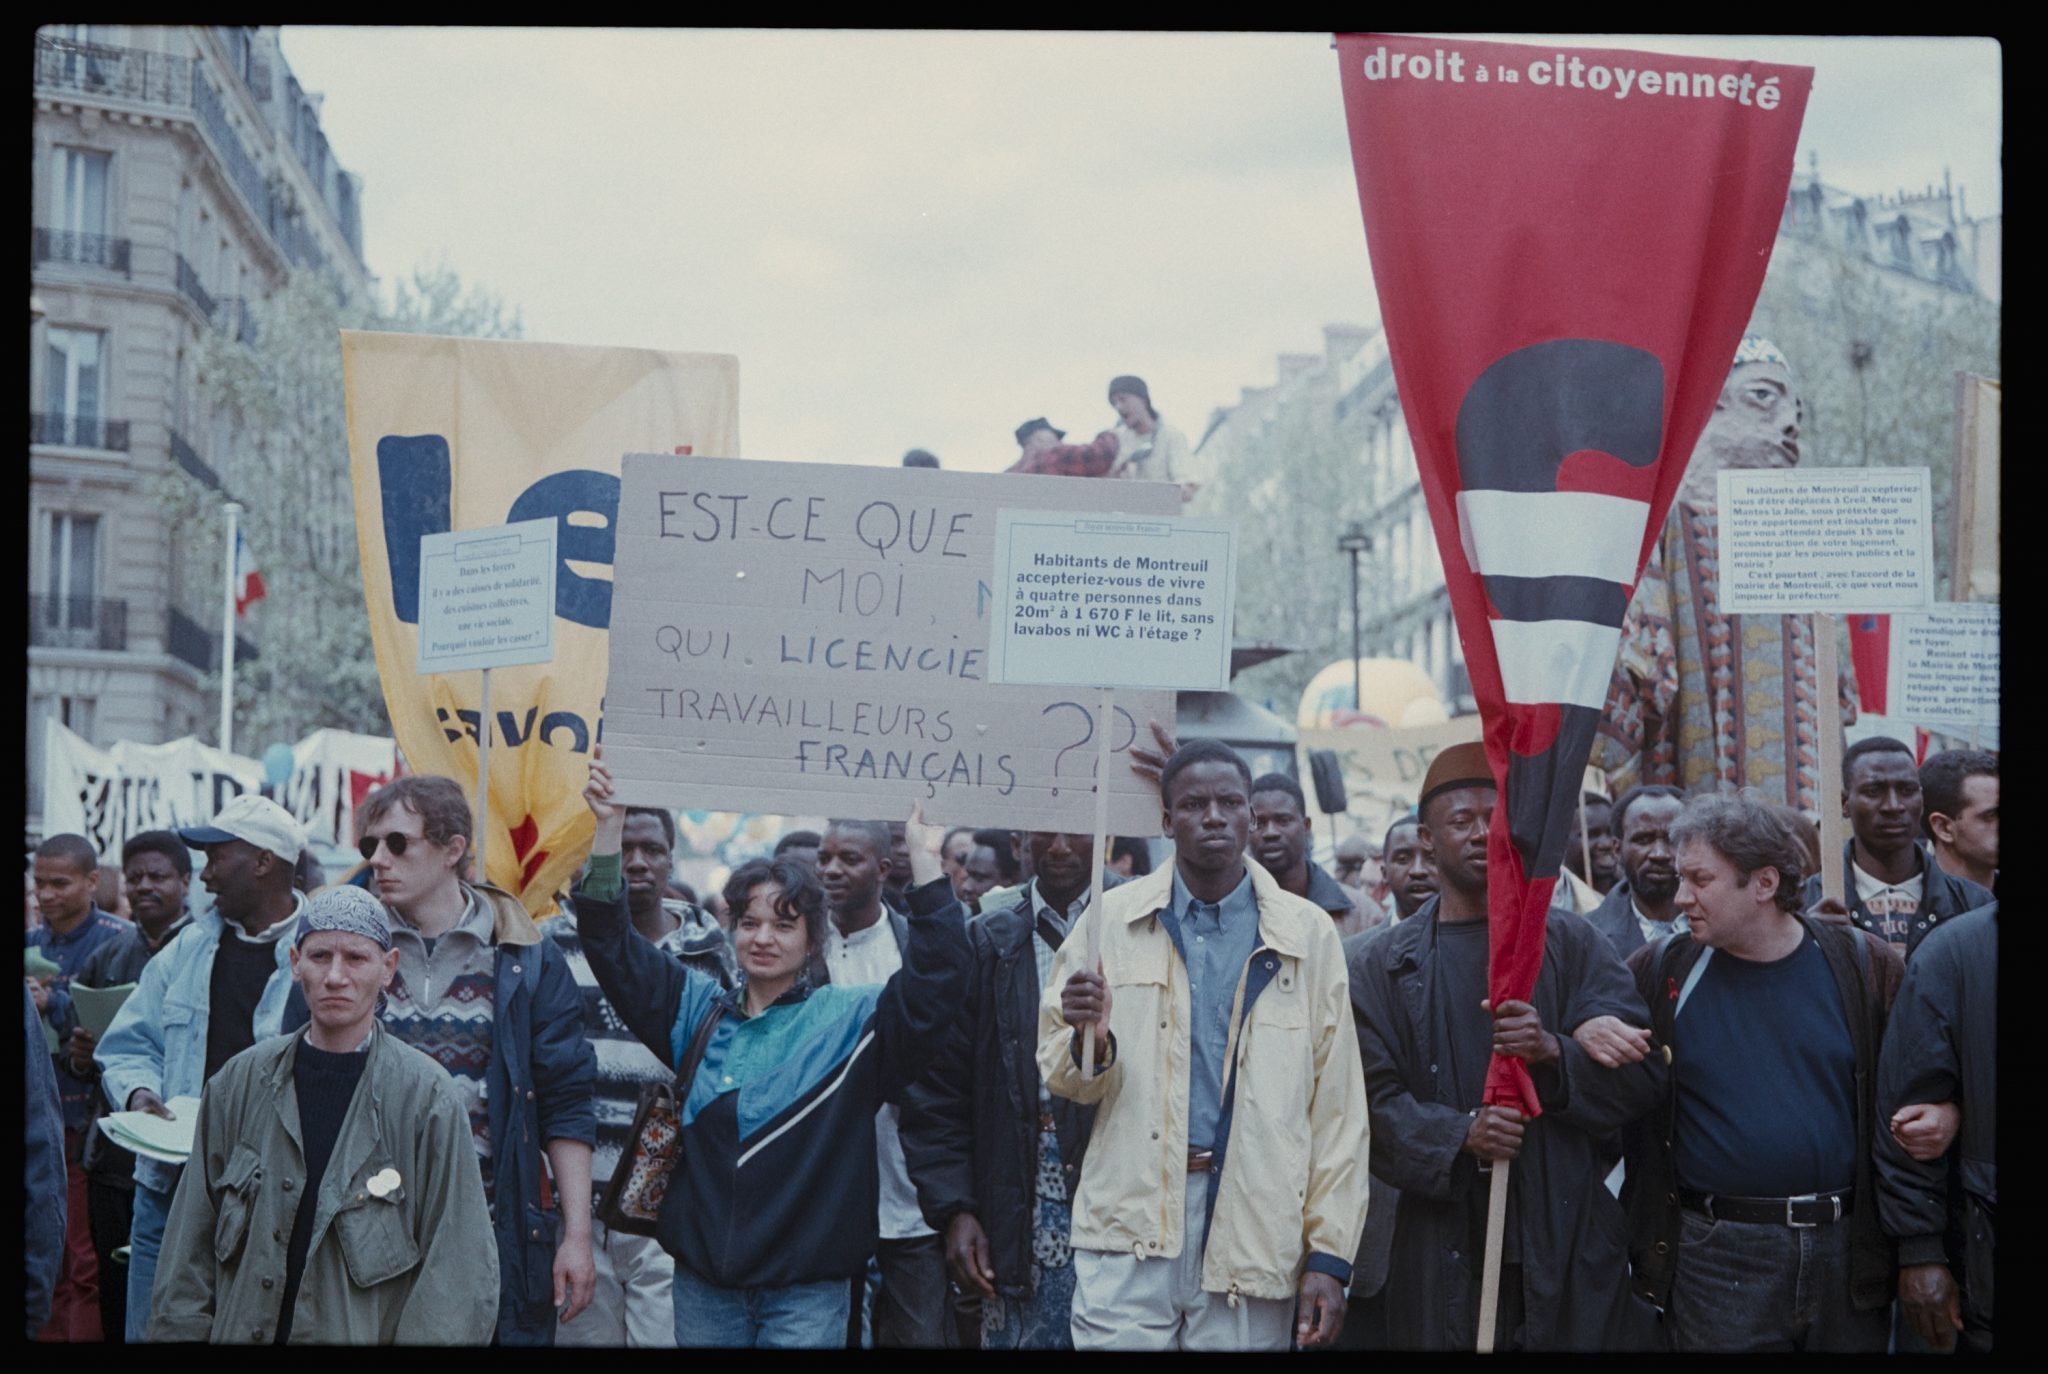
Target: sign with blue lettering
{"x": 487, "y": 597}
{"x": 1112, "y": 601}
{"x": 809, "y": 638}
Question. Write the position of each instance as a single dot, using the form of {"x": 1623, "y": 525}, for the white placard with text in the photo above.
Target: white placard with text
{"x": 1831, "y": 540}
{"x": 487, "y": 597}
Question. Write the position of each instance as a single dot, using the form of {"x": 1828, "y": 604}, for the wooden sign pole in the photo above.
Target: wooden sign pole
{"x": 1489, "y": 1273}
{"x": 1102, "y": 724}
{"x": 483, "y": 777}
{"x": 1828, "y": 781}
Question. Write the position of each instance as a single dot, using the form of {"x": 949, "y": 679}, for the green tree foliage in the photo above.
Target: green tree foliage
{"x": 289, "y": 468}
{"x": 1876, "y": 354}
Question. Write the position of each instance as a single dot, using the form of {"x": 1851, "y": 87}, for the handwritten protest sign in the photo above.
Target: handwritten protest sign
{"x": 1830, "y": 540}
{"x": 1087, "y": 601}
{"x": 805, "y": 639}
{"x": 1944, "y": 668}
{"x": 487, "y": 597}
{"x": 1387, "y": 766}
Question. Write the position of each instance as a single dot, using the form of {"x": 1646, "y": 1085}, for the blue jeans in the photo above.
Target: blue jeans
{"x": 802, "y": 1316}
{"x": 1742, "y": 1287}
{"x": 145, "y": 1243}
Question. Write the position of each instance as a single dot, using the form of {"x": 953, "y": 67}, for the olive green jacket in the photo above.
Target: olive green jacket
{"x": 416, "y": 1265}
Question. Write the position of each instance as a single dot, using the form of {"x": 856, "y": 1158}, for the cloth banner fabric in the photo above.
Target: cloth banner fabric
{"x": 453, "y": 434}
{"x": 1567, "y": 244}
{"x": 112, "y": 795}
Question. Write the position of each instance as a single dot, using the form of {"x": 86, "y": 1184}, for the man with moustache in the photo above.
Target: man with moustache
{"x": 994, "y": 1155}
{"x": 1224, "y": 1194}
{"x": 1642, "y": 907}
{"x": 862, "y": 948}
{"x": 1426, "y": 1032}
{"x": 216, "y": 988}
{"x": 1280, "y": 842}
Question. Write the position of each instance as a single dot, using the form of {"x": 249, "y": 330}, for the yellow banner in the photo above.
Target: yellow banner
{"x": 456, "y": 434}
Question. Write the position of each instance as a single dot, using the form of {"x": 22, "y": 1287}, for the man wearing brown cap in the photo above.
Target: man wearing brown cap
{"x": 1425, "y": 1033}
{"x": 1042, "y": 452}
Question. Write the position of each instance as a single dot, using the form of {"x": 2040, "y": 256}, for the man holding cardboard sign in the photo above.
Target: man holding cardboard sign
{"x": 1208, "y": 966}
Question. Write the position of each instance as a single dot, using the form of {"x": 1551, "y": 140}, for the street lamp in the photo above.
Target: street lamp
{"x": 1355, "y": 541}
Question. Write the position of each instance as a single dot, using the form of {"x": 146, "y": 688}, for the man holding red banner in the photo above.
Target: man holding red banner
{"x": 1424, "y": 1033}
{"x": 1566, "y": 245}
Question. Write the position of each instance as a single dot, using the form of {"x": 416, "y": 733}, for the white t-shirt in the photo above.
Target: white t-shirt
{"x": 864, "y": 958}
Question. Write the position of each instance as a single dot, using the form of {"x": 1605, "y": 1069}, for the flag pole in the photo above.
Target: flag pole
{"x": 227, "y": 636}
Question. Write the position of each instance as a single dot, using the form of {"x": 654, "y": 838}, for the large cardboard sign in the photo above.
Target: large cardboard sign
{"x": 807, "y": 638}
{"x": 1831, "y": 540}
{"x": 452, "y": 434}
{"x": 1388, "y": 765}
{"x": 1944, "y": 669}
{"x": 1087, "y": 601}
{"x": 487, "y": 597}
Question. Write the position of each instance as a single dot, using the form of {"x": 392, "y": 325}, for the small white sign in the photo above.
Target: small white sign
{"x": 487, "y": 597}
{"x": 1112, "y": 601}
{"x": 1944, "y": 668}
{"x": 1832, "y": 540}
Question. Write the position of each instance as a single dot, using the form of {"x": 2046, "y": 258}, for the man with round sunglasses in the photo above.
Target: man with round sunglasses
{"x": 482, "y": 991}
{"x": 219, "y": 986}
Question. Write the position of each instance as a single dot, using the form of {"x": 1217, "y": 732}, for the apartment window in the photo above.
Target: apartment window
{"x": 73, "y": 382}
{"x": 71, "y": 574}
{"x": 74, "y": 713}
{"x": 78, "y": 191}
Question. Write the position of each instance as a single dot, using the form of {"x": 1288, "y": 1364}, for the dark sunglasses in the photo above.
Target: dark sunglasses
{"x": 395, "y": 842}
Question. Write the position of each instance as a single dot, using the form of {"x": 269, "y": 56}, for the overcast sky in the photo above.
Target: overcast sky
{"x": 921, "y": 239}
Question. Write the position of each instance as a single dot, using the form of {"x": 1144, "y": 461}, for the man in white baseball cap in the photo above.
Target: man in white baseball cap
{"x": 216, "y": 989}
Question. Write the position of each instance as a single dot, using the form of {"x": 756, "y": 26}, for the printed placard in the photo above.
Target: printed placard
{"x": 1944, "y": 668}
{"x": 811, "y": 638}
{"x": 1088, "y": 601}
{"x": 1831, "y": 540}
{"x": 487, "y": 597}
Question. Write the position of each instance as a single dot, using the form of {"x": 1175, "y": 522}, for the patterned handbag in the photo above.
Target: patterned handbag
{"x": 654, "y": 1146}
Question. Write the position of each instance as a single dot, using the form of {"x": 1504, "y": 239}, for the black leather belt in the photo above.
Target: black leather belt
{"x": 1810, "y": 1209}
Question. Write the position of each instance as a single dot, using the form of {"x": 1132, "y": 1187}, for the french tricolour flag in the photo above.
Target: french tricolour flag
{"x": 248, "y": 580}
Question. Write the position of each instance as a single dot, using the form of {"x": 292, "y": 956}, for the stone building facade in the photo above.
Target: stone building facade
{"x": 1925, "y": 242}
{"x": 179, "y": 173}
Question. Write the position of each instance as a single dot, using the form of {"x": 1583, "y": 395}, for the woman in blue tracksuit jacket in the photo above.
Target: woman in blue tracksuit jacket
{"x": 773, "y": 1208}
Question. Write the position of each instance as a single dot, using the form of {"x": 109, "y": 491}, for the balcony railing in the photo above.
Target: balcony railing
{"x": 78, "y": 431}
{"x": 160, "y": 79}
{"x": 90, "y": 250}
{"x": 187, "y": 457}
{"x": 188, "y": 282}
{"x": 151, "y": 78}
{"x": 77, "y": 622}
{"x": 190, "y": 643}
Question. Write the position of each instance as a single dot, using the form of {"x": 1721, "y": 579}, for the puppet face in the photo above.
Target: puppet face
{"x": 1755, "y": 424}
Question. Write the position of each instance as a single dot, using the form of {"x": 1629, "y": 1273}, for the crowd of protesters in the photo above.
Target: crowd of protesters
{"x": 1768, "y": 1118}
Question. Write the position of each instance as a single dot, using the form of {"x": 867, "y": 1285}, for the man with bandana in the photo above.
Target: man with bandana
{"x": 1705, "y": 701}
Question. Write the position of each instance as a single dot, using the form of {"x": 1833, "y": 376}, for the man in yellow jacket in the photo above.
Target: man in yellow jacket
{"x": 1225, "y": 1190}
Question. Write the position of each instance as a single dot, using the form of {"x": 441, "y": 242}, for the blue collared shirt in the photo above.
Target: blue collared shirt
{"x": 1216, "y": 940}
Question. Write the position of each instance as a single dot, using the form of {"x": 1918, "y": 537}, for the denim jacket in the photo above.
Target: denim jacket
{"x": 158, "y": 1038}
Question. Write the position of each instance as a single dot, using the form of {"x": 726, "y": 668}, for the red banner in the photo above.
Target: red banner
{"x": 1567, "y": 245}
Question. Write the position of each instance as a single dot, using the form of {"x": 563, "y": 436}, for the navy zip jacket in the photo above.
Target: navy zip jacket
{"x": 778, "y": 1179}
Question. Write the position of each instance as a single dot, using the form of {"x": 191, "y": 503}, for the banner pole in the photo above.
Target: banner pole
{"x": 1102, "y": 721}
{"x": 1826, "y": 787}
{"x": 1585, "y": 837}
{"x": 483, "y": 777}
{"x": 227, "y": 636}
{"x": 1489, "y": 1274}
